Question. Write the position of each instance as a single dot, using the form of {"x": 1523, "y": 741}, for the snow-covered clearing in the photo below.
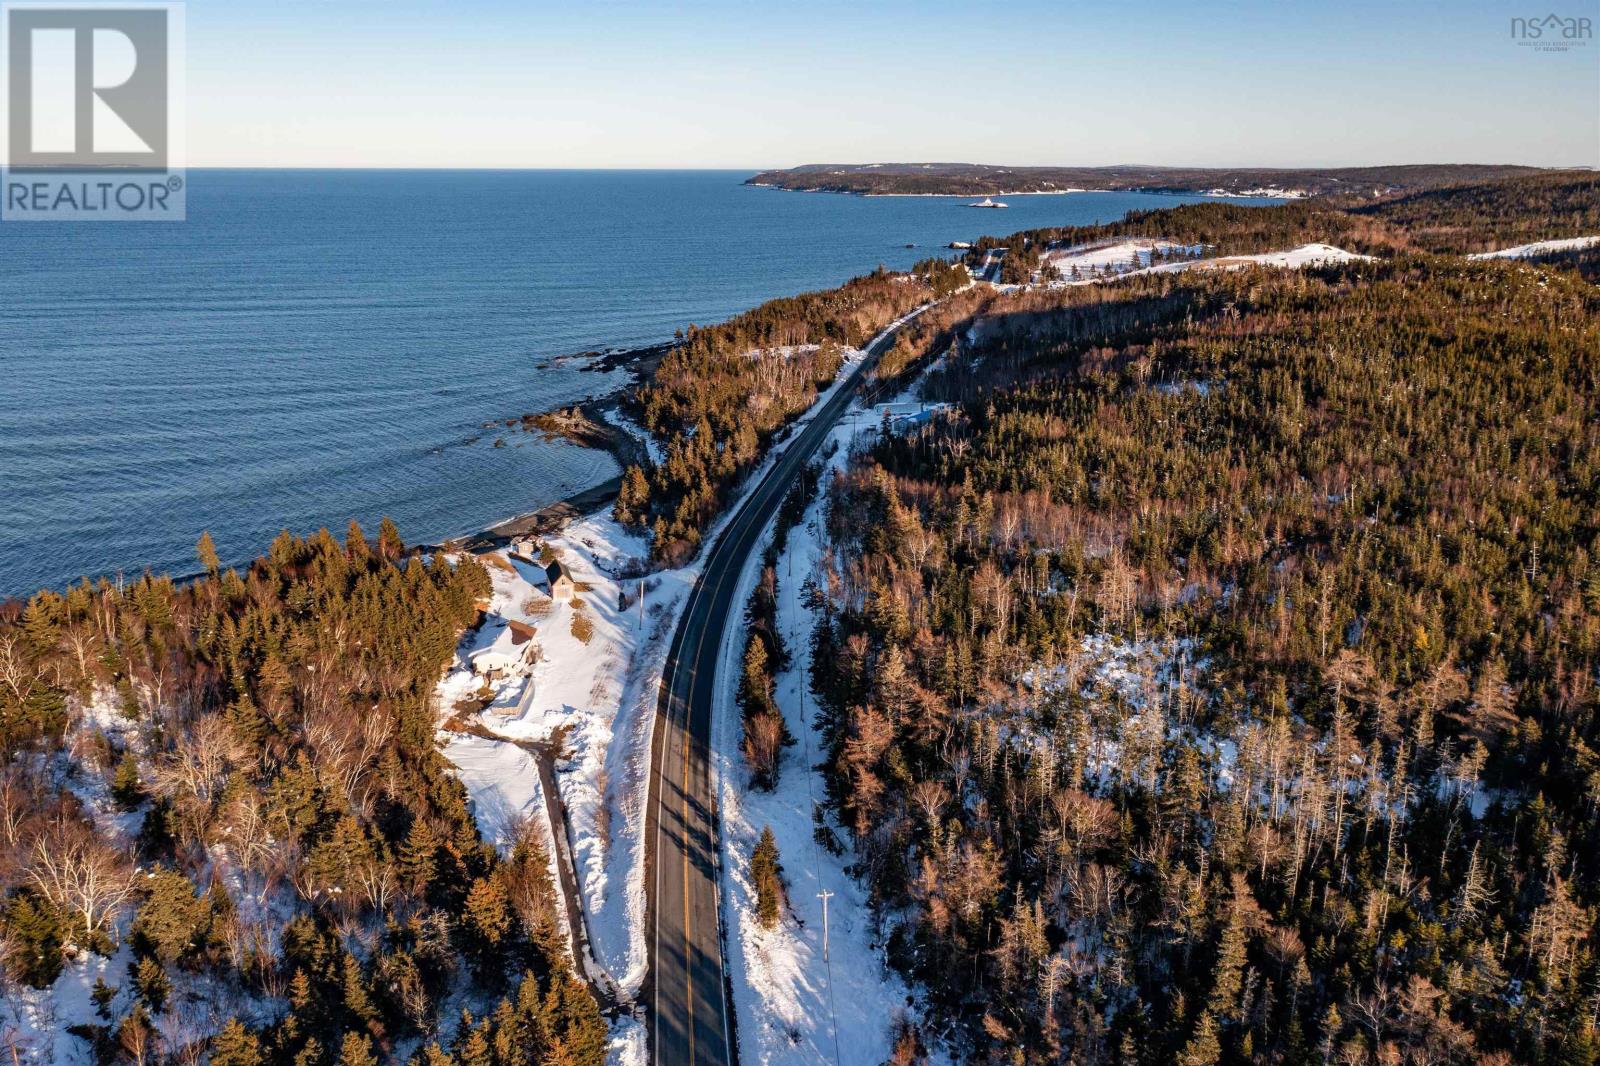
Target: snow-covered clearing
{"x": 1314, "y": 254}
{"x": 1537, "y": 248}
{"x": 1271, "y": 190}
{"x": 583, "y": 696}
{"x": 1105, "y": 258}
{"x": 503, "y": 784}
{"x": 1089, "y": 264}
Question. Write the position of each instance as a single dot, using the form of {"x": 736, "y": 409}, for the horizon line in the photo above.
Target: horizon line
{"x": 763, "y": 169}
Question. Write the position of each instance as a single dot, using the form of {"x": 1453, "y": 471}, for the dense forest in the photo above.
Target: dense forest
{"x": 230, "y": 790}
{"x": 1215, "y": 682}
{"x": 1481, "y": 218}
{"x": 722, "y": 394}
{"x": 1463, "y": 218}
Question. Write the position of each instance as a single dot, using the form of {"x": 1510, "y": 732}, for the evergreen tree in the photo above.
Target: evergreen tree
{"x": 127, "y": 788}
{"x": 234, "y": 1045}
{"x": 172, "y": 922}
{"x": 356, "y": 1050}
{"x": 766, "y": 873}
{"x": 36, "y": 929}
{"x": 390, "y": 546}
{"x": 1203, "y": 1048}
{"x": 1228, "y": 974}
{"x": 151, "y": 981}
{"x": 206, "y": 552}
{"x": 488, "y": 915}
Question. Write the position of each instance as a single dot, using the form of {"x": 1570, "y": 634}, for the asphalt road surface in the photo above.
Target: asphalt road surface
{"x": 686, "y": 992}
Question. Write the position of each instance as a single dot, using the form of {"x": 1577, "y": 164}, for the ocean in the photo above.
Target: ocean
{"x": 315, "y": 346}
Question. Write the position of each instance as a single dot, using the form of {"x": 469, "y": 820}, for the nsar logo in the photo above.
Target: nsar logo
{"x": 1552, "y": 33}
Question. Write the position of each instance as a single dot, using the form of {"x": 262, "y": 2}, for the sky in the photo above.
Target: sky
{"x": 752, "y": 85}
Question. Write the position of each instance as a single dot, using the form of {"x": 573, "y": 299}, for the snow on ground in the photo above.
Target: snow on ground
{"x": 628, "y": 1046}
{"x": 34, "y": 1023}
{"x": 503, "y": 784}
{"x": 1129, "y": 691}
{"x": 1314, "y": 254}
{"x": 614, "y": 414}
{"x": 598, "y": 700}
{"x": 1105, "y": 258}
{"x": 1270, "y": 190}
{"x": 793, "y": 1005}
{"x": 583, "y": 697}
{"x": 1537, "y": 248}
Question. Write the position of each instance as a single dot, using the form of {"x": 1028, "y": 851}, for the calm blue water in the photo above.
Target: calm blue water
{"x": 312, "y": 346}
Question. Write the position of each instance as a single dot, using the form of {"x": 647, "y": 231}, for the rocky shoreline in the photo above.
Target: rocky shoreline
{"x": 587, "y": 426}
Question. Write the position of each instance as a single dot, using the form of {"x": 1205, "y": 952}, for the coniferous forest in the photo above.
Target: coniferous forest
{"x": 1215, "y": 681}
{"x": 193, "y": 757}
{"x": 1212, "y": 680}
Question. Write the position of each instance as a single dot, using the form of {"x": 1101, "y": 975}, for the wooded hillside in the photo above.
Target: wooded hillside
{"x": 1217, "y": 682}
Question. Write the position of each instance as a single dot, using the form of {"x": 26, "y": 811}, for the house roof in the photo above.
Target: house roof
{"x": 555, "y": 571}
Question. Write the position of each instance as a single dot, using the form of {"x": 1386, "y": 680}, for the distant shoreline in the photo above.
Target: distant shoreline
{"x": 1219, "y": 194}
{"x": 952, "y": 195}
{"x": 982, "y": 179}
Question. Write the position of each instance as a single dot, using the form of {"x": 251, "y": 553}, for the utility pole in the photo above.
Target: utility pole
{"x": 824, "y": 896}
{"x": 641, "y": 603}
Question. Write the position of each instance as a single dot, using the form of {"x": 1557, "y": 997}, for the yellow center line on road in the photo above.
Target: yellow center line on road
{"x": 686, "y": 787}
{"x": 688, "y": 940}
{"x": 734, "y": 544}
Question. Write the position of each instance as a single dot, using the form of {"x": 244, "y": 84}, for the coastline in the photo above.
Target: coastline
{"x": 1150, "y": 190}
{"x": 584, "y": 425}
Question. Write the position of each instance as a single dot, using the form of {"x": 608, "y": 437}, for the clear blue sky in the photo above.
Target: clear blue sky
{"x": 526, "y": 83}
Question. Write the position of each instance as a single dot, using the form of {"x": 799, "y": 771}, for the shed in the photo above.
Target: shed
{"x": 561, "y": 586}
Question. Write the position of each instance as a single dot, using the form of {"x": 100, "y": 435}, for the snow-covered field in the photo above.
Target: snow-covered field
{"x": 1528, "y": 251}
{"x": 1105, "y": 258}
{"x": 1088, "y": 264}
{"x": 1314, "y": 254}
{"x": 503, "y": 786}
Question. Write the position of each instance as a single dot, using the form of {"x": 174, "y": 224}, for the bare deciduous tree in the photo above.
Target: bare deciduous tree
{"x": 80, "y": 874}
{"x": 19, "y": 673}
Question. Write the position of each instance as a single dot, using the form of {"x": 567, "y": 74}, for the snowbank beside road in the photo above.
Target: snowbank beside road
{"x": 598, "y": 697}
{"x": 793, "y": 1004}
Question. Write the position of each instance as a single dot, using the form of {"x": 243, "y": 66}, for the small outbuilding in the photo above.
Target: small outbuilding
{"x": 561, "y": 586}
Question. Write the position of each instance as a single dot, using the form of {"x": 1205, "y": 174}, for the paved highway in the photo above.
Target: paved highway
{"x": 691, "y": 1020}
